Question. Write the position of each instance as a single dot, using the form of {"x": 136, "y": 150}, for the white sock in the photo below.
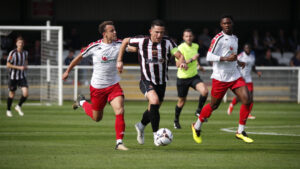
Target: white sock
{"x": 154, "y": 134}
{"x": 81, "y": 102}
{"x": 241, "y": 128}
{"x": 119, "y": 141}
{"x": 198, "y": 124}
{"x": 141, "y": 126}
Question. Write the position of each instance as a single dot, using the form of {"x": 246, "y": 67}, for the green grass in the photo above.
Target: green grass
{"x": 58, "y": 137}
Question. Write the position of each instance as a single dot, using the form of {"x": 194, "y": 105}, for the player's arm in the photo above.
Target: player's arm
{"x": 180, "y": 59}
{"x": 194, "y": 58}
{"x": 215, "y": 58}
{"x": 255, "y": 71}
{"x": 74, "y": 62}
{"x": 122, "y": 50}
{"x": 11, "y": 66}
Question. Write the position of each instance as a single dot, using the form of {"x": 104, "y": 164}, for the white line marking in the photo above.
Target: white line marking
{"x": 234, "y": 129}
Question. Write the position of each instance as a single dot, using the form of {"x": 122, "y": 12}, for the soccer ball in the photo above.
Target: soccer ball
{"x": 164, "y": 137}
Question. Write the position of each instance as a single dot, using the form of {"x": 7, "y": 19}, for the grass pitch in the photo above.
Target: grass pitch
{"x": 58, "y": 137}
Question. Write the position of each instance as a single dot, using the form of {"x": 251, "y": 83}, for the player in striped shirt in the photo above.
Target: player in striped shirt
{"x": 154, "y": 53}
{"x": 248, "y": 57}
{"x": 226, "y": 75}
{"x": 105, "y": 80}
{"x": 17, "y": 64}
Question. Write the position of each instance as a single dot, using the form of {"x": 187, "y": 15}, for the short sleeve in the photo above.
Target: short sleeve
{"x": 135, "y": 41}
{"x": 10, "y": 57}
{"x": 87, "y": 51}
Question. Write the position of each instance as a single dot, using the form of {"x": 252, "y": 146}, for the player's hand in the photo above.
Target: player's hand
{"x": 65, "y": 75}
{"x": 183, "y": 66}
{"x": 232, "y": 57}
{"x": 201, "y": 68}
{"x": 120, "y": 66}
{"x": 241, "y": 64}
{"x": 259, "y": 74}
{"x": 23, "y": 67}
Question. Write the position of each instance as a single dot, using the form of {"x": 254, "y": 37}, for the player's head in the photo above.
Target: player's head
{"x": 247, "y": 48}
{"x": 157, "y": 31}
{"x": 20, "y": 42}
{"x": 188, "y": 36}
{"x": 226, "y": 23}
{"x": 108, "y": 31}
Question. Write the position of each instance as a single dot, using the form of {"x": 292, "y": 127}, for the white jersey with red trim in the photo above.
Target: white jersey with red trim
{"x": 223, "y": 45}
{"x": 104, "y": 63}
{"x": 249, "y": 61}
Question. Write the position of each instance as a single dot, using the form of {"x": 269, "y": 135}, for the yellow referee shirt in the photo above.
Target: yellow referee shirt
{"x": 188, "y": 52}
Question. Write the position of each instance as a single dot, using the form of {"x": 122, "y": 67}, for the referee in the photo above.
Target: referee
{"x": 189, "y": 78}
{"x": 17, "y": 64}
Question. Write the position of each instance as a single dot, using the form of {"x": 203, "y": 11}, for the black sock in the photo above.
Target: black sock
{"x": 177, "y": 113}
{"x": 202, "y": 100}
{"x": 22, "y": 100}
{"x": 9, "y": 102}
{"x": 154, "y": 117}
{"x": 145, "y": 120}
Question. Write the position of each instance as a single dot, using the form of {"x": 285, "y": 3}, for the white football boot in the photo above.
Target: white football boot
{"x": 140, "y": 133}
{"x": 18, "y": 109}
{"x": 8, "y": 113}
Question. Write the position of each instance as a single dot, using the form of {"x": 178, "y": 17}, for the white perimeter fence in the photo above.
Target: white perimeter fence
{"x": 278, "y": 84}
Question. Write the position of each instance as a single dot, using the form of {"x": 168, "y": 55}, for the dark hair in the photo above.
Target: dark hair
{"x": 247, "y": 44}
{"x": 103, "y": 25}
{"x": 188, "y": 30}
{"x": 157, "y": 22}
{"x": 19, "y": 38}
{"x": 227, "y": 16}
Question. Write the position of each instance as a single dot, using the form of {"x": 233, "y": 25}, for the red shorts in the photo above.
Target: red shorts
{"x": 250, "y": 86}
{"x": 99, "y": 97}
{"x": 220, "y": 88}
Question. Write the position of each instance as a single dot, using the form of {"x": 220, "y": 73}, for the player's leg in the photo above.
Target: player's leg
{"x": 98, "y": 99}
{"x": 202, "y": 89}
{"x": 10, "y": 98}
{"x": 178, "y": 109}
{"x": 217, "y": 92}
{"x": 118, "y": 106}
{"x": 231, "y": 105}
{"x": 250, "y": 88}
{"x": 182, "y": 91}
{"x": 12, "y": 87}
{"x": 243, "y": 94}
{"x": 22, "y": 100}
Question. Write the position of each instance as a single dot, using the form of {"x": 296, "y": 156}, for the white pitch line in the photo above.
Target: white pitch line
{"x": 233, "y": 130}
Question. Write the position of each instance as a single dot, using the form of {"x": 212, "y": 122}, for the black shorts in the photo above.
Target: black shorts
{"x": 13, "y": 84}
{"x": 183, "y": 85}
{"x": 146, "y": 86}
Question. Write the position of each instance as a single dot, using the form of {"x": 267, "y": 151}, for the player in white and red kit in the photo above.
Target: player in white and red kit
{"x": 248, "y": 58}
{"x": 105, "y": 80}
{"x": 223, "y": 54}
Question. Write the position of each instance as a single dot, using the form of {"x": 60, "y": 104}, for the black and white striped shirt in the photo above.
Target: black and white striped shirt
{"x": 18, "y": 59}
{"x": 154, "y": 58}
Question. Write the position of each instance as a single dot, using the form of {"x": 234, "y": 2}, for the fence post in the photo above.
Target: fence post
{"x": 75, "y": 82}
{"x": 298, "y": 86}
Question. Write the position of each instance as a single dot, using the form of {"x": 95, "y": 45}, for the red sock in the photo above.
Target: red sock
{"x": 205, "y": 112}
{"x": 119, "y": 126}
{"x": 250, "y": 108}
{"x": 234, "y": 101}
{"x": 88, "y": 109}
{"x": 244, "y": 112}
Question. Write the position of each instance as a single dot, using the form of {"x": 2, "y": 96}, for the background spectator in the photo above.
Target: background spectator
{"x": 269, "y": 41}
{"x": 282, "y": 42}
{"x": 4, "y": 58}
{"x": 295, "y": 61}
{"x": 70, "y": 57}
{"x": 294, "y": 40}
{"x": 268, "y": 60}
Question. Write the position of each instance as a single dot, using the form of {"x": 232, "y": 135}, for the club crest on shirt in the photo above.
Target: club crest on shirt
{"x": 231, "y": 48}
{"x": 104, "y": 58}
{"x": 154, "y": 52}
